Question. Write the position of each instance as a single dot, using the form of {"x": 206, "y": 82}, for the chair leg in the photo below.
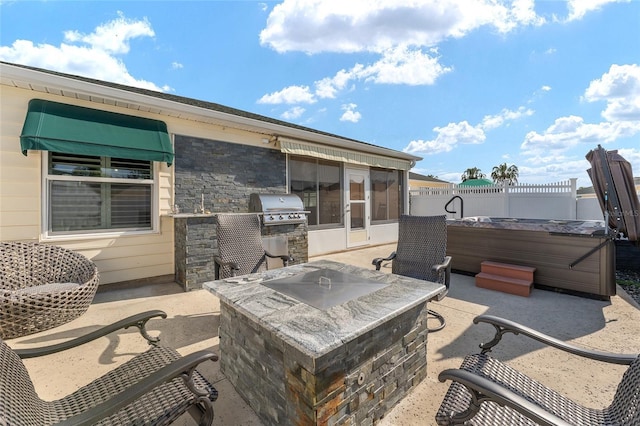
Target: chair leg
{"x": 439, "y": 317}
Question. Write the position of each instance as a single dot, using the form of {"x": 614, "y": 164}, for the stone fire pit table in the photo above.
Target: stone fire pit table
{"x": 350, "y": 359}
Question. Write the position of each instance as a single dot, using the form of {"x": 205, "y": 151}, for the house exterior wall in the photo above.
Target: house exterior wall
{"x": 118, "y": 257}
{"x": 128, "y": 256}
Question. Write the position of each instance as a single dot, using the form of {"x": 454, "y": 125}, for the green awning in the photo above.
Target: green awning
{"x": 70, "y": 129}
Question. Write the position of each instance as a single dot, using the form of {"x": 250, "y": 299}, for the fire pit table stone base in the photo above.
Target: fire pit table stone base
{"x": 379, "y": 374}
{"x": 349, "y": 364}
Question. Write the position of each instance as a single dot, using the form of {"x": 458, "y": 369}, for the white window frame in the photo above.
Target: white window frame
{"x": 46, "y": 234}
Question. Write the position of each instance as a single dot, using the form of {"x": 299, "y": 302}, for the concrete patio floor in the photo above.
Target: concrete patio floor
{"x": 192, "y": 324}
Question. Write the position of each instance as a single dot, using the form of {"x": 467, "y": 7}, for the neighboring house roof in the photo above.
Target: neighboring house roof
{"x": 476, "y": 182}
{"x": 160, "y": 103}
{"x": 416, "y": 176}
{"x": 590, "y": 190}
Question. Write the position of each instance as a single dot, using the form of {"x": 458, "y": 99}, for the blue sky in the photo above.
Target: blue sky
{"x": 469, "y": 83}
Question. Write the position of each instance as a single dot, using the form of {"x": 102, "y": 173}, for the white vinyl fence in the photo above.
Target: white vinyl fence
{"x": 531, "y": 201}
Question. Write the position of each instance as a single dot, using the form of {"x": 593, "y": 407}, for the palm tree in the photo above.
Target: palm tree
{"x": 472, "y": 173}
{"x": 505, "y": 174}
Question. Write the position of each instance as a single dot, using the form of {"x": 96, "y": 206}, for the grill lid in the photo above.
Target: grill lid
{"x": 278, "y": 208}
{"x": 275, "y": 203}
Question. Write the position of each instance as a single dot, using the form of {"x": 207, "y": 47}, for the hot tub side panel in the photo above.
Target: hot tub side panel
{"x": 551, "y": 255}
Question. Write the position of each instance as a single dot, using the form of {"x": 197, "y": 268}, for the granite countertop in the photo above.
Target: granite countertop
{"x": 190, "y": 215}
{"x": 314, "y": 332}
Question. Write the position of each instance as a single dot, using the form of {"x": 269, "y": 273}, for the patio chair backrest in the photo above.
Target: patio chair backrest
{"x": 625, "y": 408}
{"x": 20, "y": 404}
{"x": 422, "y": 243}
{"x": 240, "y": 241}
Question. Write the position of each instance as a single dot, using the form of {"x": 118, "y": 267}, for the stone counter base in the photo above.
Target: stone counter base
{"x": 364, "y": 380}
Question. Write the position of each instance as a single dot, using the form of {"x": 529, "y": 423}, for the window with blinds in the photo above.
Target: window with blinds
{"x": 98, "y": 194}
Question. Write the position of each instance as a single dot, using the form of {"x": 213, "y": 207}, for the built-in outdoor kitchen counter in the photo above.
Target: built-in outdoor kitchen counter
{"x": 196, "y": 244}
{"x": 348, "y": 360}
{"x": 569, "y": 255}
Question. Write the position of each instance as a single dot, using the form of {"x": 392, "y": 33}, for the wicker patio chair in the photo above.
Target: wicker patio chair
{"x": 240, "y": 249}
{"x": 153, "y": 388}
{"x": 42, "y": 286}
{"x": 485, "y": 391}
{"x": 421, "y": 254}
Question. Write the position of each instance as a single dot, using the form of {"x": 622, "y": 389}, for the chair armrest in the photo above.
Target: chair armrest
{"x": 138, "y": 320}
{"x": 285, "y": 257}
{"x": 483, "y": 389}
{"x": 183, "y": 367}
{"x": 503, "y": 326}
{"x": 444, "y": 268}
{"x": 378, "y": 260}
{"x": 232, "y": 265}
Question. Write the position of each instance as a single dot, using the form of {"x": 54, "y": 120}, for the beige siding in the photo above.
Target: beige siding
{"x": 119, "y": 258}
{"x": 19, "y": 175}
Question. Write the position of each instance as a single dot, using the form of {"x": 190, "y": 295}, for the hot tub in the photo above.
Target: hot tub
{"x": 569, "y": 255}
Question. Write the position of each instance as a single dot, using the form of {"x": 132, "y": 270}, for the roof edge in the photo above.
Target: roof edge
{"x": 152, "y": 99}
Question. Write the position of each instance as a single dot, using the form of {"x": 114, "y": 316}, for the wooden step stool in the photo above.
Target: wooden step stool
{"x": 513, "y": 279}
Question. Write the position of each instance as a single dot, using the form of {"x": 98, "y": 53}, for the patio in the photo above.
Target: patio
{"x": 192, "y": 324}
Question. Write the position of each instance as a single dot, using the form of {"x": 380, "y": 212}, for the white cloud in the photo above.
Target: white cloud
{"x": 94, "y": 55}
{"x": 289, "y": 95}
{"x": 403, "y": 34}
{"x": 114, "y": 36}
{"x": 620, "y": 88}
{"x": 293, "y": 113}
{"x": 632, "y": 155}
{"x": 546, "y": 151}
{"x": 555, "y": 169}
{"x": 454, "y": 134}
{"x": 314, "y": 26}
{"x": 490, "y": 122}
{"x": 579, "y": 8}
{"x": 397, "y": 66}
{"x": 350, "y": 114}
{"x": 568, "y": 132}
{"x": 176, "y": 65}
{"x": 328, "y": 87}
{"x": 402, "y": 65}
{"x": 447, "y": 139}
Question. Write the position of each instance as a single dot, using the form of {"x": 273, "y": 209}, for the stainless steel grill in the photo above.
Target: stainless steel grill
{"x": 278, "y": 209}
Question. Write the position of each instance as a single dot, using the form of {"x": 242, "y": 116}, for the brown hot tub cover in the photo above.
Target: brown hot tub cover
{"x": 614, "y": 186}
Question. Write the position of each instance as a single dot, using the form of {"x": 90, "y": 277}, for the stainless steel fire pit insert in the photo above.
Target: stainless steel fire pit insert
{"x": 324, "y": 288}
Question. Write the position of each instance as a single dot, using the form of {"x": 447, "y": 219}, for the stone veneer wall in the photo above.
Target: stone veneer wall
{"x": 368, "y": 377}
{"x": 195, "y": 245}
{"x": 226, "y": 174}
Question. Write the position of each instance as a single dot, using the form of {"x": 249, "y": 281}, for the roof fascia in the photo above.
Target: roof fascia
{"x": 69, "y": 85}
